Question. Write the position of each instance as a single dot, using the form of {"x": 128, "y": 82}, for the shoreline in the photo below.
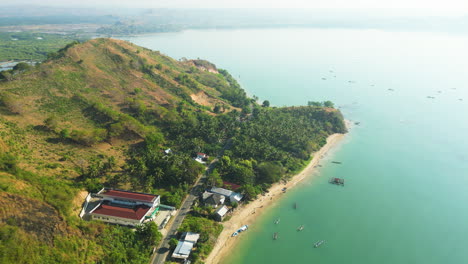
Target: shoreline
{"x": 246, "y": 214}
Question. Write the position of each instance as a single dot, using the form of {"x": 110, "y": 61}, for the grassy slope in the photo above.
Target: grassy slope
{"x": 112, "y": 74}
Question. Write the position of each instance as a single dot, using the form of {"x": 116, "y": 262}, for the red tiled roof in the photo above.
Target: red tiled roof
{"x": 231, "y": 185}
{"x": 135, "y": 213}
{"x": 130, "y": 195}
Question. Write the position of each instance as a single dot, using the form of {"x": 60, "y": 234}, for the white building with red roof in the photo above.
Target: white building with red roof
{"x": 125, "y": 207}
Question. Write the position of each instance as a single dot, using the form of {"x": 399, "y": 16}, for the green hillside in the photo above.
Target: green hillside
{"x": 99, "y": 113}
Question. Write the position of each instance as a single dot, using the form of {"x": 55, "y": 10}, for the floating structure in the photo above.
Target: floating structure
{"x": 240, "y": 230}
{"x": 319, "y": 243}
{"x": 337, "y": 181}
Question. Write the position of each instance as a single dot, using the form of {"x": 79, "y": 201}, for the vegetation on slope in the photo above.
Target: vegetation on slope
{"x": 31, "y": 46}
{"x": 102, "y": 112}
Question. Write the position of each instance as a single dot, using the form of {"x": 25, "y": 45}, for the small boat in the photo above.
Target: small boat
{"x": 336, "y": 162}
{"x": 277, "y": 221}
{"x": 357, "y": 123}
{"x": 295, "y": 205}
{"x": 240, "y": 230}
{"x": 390, "y": 89}
{"x": 324, "y": 79}
{"x": 319, "y": 243}
{"x": 284, "y": 189}
{"x": 337, "y": 181}
{"x": 243, "y": 228}
{"x": 300, "y": 228}
{"x": 275, "y": 236}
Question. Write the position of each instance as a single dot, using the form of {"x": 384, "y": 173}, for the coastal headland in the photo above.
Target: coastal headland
{"x": 247, "y": 214}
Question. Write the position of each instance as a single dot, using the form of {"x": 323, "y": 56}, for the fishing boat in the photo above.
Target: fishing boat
{"x": 300, "y": 228}
{"x": 337, "y": 181}
{"x": 319, "y": 243}
{"x": 277, "y": 221}
{"x": 240, "y": 230}
{"x": 275, "y": 236}
{"x": 336, "y": 162}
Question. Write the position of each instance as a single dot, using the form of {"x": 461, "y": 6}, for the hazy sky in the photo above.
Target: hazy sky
{"x": 437, "y": 6}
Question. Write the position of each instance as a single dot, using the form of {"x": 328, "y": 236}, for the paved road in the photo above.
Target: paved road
{"x": 160, "y": 255}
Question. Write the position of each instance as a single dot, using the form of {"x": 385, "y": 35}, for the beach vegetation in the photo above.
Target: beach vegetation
{"x": 68, "y": 127}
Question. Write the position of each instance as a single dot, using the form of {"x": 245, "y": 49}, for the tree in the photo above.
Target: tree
{"x": 21, "y": 67}
{"x": 266, "y": 103}
{"x": 214, "y": 179}
{"x": 311, "y": 103}
{"x": 269, "y": 172}
{"x": 148, "y": 233}
{"x": 51, "y": 122}
{"x": 328, "y": 104}
{"x": 217, "y": 109}
{"x": 173, "y": 243}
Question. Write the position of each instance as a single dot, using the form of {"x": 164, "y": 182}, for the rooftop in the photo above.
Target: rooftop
{"x": 191, "y": 237}
{"x": 183, "y": 249}
{"x": 222, "y": 210}
{"x": 231, "y": 185}
{"x": 221, "y": 191}
{"x": 135, "y": 213}
{"x": 121, "y": 194}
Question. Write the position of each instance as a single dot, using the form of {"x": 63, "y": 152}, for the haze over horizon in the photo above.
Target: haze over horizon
{"x": 406, "y": 7}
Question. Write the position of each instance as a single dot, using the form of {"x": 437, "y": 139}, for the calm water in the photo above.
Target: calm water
{"x": 406, "y": 165}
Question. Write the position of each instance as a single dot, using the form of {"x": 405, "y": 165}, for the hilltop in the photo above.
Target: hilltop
{"x": 108, "y": 93}
{"x": 100, "y": 113}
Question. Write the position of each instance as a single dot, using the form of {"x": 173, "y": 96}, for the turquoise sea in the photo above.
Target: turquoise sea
{"x": 405, "y": 165}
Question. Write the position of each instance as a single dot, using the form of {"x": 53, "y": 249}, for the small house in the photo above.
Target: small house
{"x": 221, "y": 213}
{"x": 232, "y": 196}
{"x": 185, "y": 245}
{"x": 213, "y": 199}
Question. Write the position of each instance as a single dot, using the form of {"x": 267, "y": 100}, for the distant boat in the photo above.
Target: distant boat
{"x": 300, "y": 228}
{"x": 324, "y": 79}
{"x": 275, "y": 236}
{"x": 284, "y": 189}
{"x": 390, "y": 89}
{"x": 295, "y": 205}
{"x": 277, "y": 221}
{"x": 336, "y": 162}
{"x": 319, "y": 243}
{"x": 337, "y": 181}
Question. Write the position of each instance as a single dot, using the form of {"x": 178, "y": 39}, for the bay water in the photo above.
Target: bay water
{"x": 405, "y": 165}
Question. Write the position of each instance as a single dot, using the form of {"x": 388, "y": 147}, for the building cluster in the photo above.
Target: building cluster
{"x": 185, "y": 245}
{"x": 125, "y": 207}
{"x": 217, "y": 197}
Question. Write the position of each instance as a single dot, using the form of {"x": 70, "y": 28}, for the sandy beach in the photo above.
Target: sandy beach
{"x": 246, "y": 214}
